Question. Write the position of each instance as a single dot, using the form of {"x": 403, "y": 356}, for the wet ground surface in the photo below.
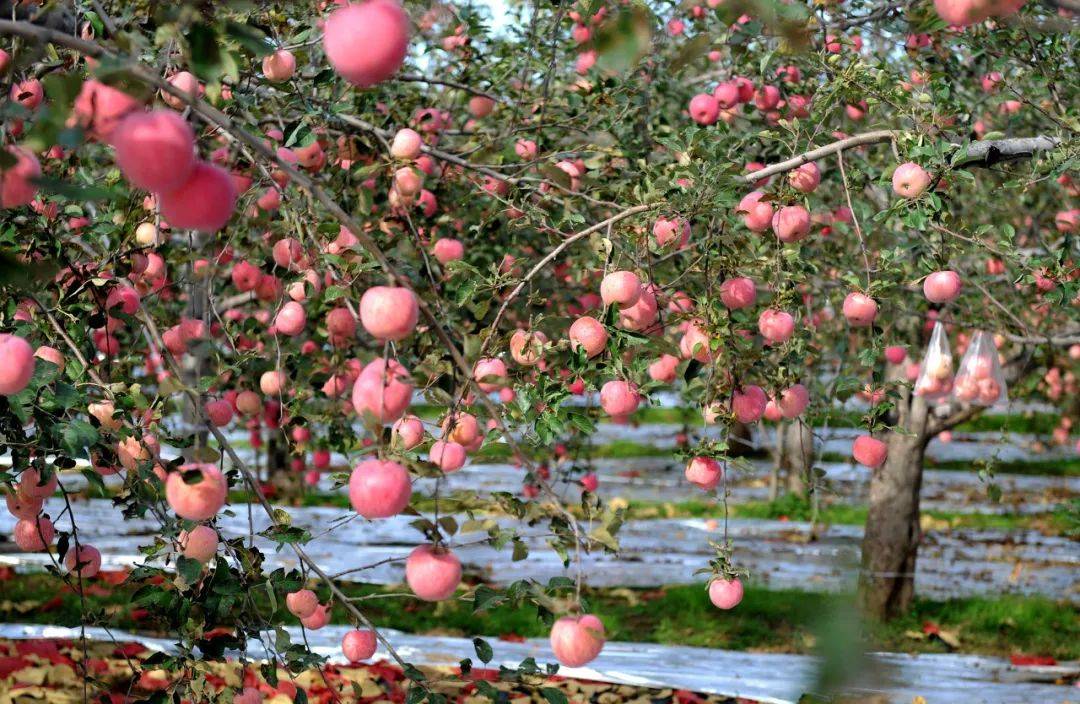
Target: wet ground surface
{"x": 780, "y": 554}
{"x": 761, "y": 677}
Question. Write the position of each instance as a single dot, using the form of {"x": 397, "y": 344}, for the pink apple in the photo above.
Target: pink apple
{"x": 704, "y": 109}
{"x": 432, "y": 573}
{"x": 367, "y": 42}
{"x": 155, "y": 150}
{"x": 379, "y": 488}
{"x": 408, "y": 432}
{"x": 358, "y": 645}
{"x": 389, "y": 312}
{"x": 200, "y": 543}
{"x": 301, "y": 603}
{"x": 725, "y": 593}
{"x": 577, "y": 640}
{"x": 942, "y": 286}
{"x": 869, "y": 451}
{"x": 860, "y": 310}
{"x": 619, "y": 398}
{"x": 621, "y": 288}
{"x": 201, "y": 499}
{"x": 909, "y": 180}
{"x": 791, "y": 223}
{"x": 757, "y": 214}
{"x": 738, "y": 293}
{"x": 704, "y": 472}
{"x": 748, "y": 404}
{"x": 587, "y": 332}
{"x": 16, "y": 364}
{"x": 84, "y": 561}
{"x": 776, "y": 326}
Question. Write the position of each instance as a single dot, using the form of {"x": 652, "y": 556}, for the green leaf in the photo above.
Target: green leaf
{"x": 623, "y": 40}
{"x": 690, "y": 51}
{"x": 75, "y": 192}
{"x": 205, "y": 52}
{"x": 553, "y": 696}
{"x": 25, "y": 276}
{"x": 251, "y": 38}
{"x": 76, "y": 436}
{"x": 483, "y": 650}
{"x": 333, "y": 293}
{"x": 485, "y": 598}
{"x": 189, "y": 570}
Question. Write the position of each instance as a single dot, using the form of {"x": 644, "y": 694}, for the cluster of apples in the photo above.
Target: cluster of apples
{"x": 726, "y": 99}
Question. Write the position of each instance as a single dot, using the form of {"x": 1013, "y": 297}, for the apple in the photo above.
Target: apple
{"x": 358, "y": 645}
{"x": 205, "y": 201}
{"x": 738, "y": 293}
{"x": 433, "y": 573}
{"x": 383, "y": 390}
{"x": 909, "y": 180}
{"x": 621, "y": 288}
{"x": 366, "y": 43}
{"x": 200, "y": 543}
{"x": 84, "y": 560}
{"x": 407, "y": 432}
{"x": 527, "y": 348}
{"x": 757, "y": 214}
{"x": 793, "y": 401}
{"x": 586, "y": 332}
{"x": 725, "y": 593}
{"x": 805, "y": 179}
{"x": 704, "y": 109}
{"x": 301, "y": 603}
{"x": 942, "y": 286}
{"x": 869, "y": 452}
{"x": 488, "y": 374}
{"x": 154, "y": 150}
{"x": 279, "y": 66}
{"x": 200, "y": 500}
{"x": 748, "y": 403}
{"x": 860, "y": 310}
{"x": 389, "y": 312}
{"x": 704, "y": 472}
{"x": 791, "y": 223}
{"x": 17, "y": 183}
{"x": 577, "y": 640}
{"x": 619, "y": 398}
{"x": 34, "y": 534}
{"x": 447, "y": 455}
{"x": 776, "y": 326}
{"x": 16, "y": 364}
{"x": 379, "y": 488}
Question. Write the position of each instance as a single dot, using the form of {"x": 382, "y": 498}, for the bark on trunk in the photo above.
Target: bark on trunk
{"x": 891, "y": 541}
{"x": 798, "y": 456}
{"x": 891, "y": 535}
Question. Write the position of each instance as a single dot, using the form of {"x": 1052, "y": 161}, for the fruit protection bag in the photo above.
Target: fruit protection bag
{"x": 980, "y": 381}
{"x": 935, "y": 381}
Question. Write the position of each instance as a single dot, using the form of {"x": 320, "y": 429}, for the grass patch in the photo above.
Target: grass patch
{"x": 796, "y": 508}
{"x": 1064, "y": 467}
{"x": 766, "y": 620}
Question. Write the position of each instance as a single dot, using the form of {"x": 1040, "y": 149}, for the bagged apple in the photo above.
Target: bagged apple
{"x": 979, "y": 380}
{"x": 935, "y": 380}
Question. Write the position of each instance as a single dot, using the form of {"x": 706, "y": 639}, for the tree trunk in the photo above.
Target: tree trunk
{"x": 891, "y": 535}
{"x": 891, "y": 541}
{"x": 798, "y": 455}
